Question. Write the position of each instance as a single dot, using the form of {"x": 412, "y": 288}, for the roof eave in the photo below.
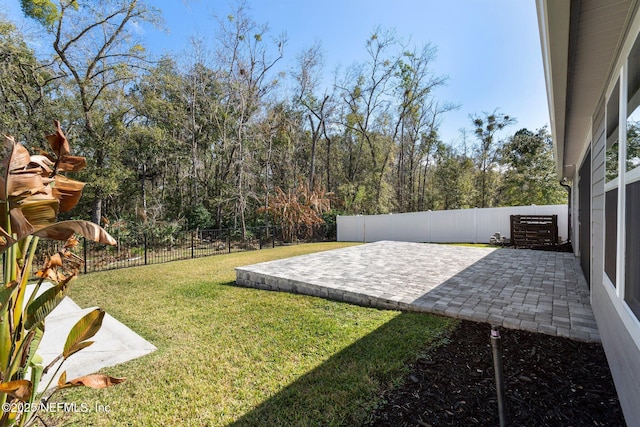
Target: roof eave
{"x": 553, "y": 24}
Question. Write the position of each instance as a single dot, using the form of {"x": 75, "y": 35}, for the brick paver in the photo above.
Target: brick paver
{"x": 536, "y": 291}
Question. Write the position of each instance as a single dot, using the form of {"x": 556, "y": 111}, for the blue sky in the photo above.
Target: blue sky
{"x": 489, "y": 49}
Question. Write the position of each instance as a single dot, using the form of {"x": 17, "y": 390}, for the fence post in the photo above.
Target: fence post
{"x": 145, "y": 247}
{"x": 192, "y": 243}
{"x": 260, "y": 237}
{"x": 273, "y": 238}
{"x": 229, "y": 240}
{"x": 84, "y": 253}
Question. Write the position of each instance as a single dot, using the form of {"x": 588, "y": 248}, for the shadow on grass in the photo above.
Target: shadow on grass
{"x": 345, "y": 389}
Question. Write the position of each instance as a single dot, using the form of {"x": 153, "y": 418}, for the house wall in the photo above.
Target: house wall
{"x": 575, "y": 224}
{"x": 623, "y": 355}
{"x": 583, "y": 206}
{"x": 597, "y": 198}
{"x": 594, "y": 46}
{"x": 616, "y": 324}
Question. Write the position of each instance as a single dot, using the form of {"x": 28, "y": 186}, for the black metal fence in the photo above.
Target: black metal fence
{"x": 135, "y": 249}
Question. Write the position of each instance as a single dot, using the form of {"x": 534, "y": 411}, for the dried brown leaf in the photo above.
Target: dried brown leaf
{"x": 19, "y": 223}
{"x": 55, "y": 261}
{"x": 71, "y": 242}
{"x": 65, "y": 229}
{"x": 93, "y": 381}
{"x": 18, "y": 389}
{"x": 24, "y": 183}
{"x": 40, "y": 211}
{"x": 72, "y": 163}
{"x": 44, "y": 162}
{"x": 67, "y": 191}
{"x": 16, "y": 157}
{"x": 58, "y": 141}
{"x": 5, "y": 240}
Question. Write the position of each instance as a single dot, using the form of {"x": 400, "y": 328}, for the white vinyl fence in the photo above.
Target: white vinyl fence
{"x": 454, "y": 226}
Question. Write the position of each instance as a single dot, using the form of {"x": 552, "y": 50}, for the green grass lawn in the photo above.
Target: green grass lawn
{"x": 229, "y": 355}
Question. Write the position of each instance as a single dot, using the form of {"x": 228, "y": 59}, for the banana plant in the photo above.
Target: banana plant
{"x": 33, "y": 191}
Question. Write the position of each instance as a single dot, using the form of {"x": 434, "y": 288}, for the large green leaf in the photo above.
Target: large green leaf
{"x": 84, "y": 329}
{"x": 36, "y": 377}
{"x": 44, "y": 304}
{"x": 37, "y": 335}
{"x": 6, "y": 293}
{"x": 65, "y": 229}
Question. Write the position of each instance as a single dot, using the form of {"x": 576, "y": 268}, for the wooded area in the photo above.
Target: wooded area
{"x": 226, "y": 137}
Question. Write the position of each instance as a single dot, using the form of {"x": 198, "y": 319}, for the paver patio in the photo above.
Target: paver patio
{"x": 536, "y": 291}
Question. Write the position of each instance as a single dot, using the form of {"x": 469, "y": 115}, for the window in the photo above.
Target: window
{"x": 611, "y": 186}
{"x": 610, "y": 234}
{"x": 633, "y": 109}
{"x": 632, "y": 183}
{"x": 613, "y": 117}
{"x": 632, "y": 257}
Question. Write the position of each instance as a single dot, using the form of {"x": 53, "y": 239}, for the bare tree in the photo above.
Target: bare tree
{"x": 417, "y": 120}
{"x": 365, "y": 94}
{"x": 94, "y": 45}
{"x": 244, "y": 65}
{"x": 318, "y": 107}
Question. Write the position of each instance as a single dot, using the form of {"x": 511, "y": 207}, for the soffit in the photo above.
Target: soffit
{"x": 596, "y": 34}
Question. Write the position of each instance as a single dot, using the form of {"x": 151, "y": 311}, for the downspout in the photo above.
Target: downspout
{"x": 563, "y": 183}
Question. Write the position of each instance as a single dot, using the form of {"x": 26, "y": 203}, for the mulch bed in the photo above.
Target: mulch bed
{"x": 549, "y": 381}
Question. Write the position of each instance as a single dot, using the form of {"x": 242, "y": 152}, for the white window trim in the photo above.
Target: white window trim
{"x": 622, "y": 160}
{"x": 632, "y": 176}
{"x": 611, "y": 185}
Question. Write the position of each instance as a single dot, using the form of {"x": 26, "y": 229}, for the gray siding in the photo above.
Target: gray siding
{"x": 575, "y": 224}
{"x": 622, "y": 353}
{"x": 597, "y": 198}
{"x": 621, "y": 350}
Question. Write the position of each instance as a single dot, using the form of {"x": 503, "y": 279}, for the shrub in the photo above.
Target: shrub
{"x": 33, "y": 191}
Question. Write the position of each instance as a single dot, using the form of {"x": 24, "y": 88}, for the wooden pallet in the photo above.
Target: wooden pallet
{"x": 534, "y": 230}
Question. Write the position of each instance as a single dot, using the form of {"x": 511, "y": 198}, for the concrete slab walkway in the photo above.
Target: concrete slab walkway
{"x": 536, "y": 291}
{"x": 114, "y": 343}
